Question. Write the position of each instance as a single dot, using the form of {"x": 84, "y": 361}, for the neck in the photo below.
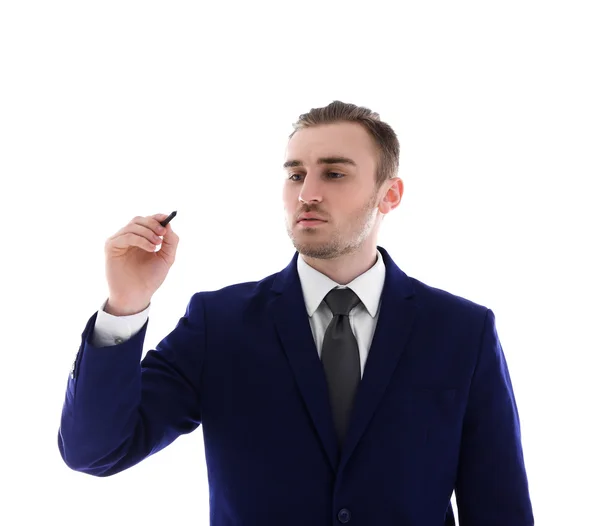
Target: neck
{"x": 347, "y": 267}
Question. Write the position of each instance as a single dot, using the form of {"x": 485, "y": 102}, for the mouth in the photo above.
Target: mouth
{"x": 311, "y": 222}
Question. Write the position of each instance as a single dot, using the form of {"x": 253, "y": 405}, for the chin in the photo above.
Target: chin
{"x": 316, "y": 249}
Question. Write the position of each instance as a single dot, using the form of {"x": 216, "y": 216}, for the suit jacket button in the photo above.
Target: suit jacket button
{"x": 344, "y": 515}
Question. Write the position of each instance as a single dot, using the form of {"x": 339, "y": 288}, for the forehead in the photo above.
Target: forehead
{"x": 346, "y": 139}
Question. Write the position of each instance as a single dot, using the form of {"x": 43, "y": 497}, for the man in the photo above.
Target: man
{"x": 339, "y": 390}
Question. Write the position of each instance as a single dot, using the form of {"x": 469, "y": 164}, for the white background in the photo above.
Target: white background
{"x": 110, "y": 110}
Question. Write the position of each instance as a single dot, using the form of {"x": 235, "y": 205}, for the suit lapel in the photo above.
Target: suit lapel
{"x": 291, "y": 321}
{"x": 394, "y": 325}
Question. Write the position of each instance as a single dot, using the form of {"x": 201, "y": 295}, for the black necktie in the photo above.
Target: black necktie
{"x": 340, "y": 358}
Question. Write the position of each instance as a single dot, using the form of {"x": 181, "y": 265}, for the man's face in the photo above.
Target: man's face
{"x": 342, "y": 193}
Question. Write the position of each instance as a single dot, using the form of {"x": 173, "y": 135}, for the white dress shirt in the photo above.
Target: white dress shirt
{"x": 112, "y": 330}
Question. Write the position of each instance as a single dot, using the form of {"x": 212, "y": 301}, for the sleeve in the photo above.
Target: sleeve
{"x": 113, "y": 330}
{"x": 119, "y": 409}
{"x": 492, "y": 487}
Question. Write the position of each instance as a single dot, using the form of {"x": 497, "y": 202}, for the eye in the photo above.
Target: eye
{"x": 339, "y": 175}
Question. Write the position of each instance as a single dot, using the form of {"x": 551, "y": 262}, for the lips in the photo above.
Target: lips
{"x": 310, "y": 223}
{"x": 310, "y": 218}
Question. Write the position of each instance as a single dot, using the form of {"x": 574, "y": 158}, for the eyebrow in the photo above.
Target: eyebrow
{"x": 322, "y": 160}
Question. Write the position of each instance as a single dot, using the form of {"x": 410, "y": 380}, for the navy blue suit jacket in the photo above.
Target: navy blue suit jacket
{"x": 434, "y": 412}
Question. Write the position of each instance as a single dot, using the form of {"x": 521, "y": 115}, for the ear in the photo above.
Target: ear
{"x": 394, "y": 189}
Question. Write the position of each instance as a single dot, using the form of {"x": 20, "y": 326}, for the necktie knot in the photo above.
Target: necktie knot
{"x": 341, "y": 301}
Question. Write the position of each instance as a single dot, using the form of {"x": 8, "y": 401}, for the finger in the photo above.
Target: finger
{"x": 130, "y": 239}
{"x": 123, "y": 237}
{"x": 144, "y": 231}
{"x": 169, "y": 242}
{"x": 149, "y": 222}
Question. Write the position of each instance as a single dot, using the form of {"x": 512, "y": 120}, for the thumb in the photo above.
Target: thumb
{"x": 160, "y": 217}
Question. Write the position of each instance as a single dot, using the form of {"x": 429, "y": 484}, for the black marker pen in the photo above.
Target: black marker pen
{"x": 166, "y": 221}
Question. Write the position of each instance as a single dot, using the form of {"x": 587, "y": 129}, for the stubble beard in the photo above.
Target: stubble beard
{"x": 332, "y": 242}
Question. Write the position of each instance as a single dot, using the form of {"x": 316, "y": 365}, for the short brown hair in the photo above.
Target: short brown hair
{"x": 383, "y": 134}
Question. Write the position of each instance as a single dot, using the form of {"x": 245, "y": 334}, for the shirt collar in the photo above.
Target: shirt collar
{"x": 368, "y": 286}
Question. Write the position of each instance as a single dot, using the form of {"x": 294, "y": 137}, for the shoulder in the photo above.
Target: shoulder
{"x": 235, "y": 297}
{"x": 448, "y": 304}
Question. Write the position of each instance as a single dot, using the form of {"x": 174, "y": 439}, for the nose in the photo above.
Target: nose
{"x": 311, "y": 190}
